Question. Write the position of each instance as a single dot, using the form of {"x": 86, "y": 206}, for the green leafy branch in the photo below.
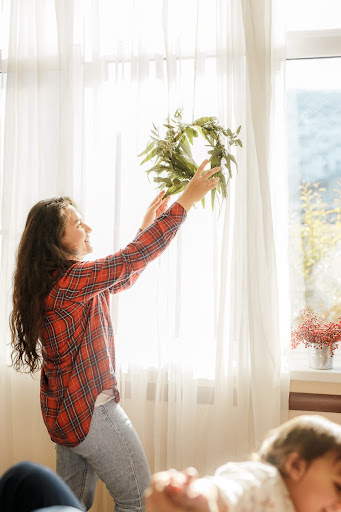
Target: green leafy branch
{"x": 173, "y": 164}
{"x": 316, "y": 233}
{"x": 319, "y": 233}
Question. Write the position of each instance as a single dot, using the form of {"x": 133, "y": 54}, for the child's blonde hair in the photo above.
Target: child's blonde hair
{"x": 310, "y": 436}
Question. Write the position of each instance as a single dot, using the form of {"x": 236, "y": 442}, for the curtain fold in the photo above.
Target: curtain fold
{"x": 200, "y": 335}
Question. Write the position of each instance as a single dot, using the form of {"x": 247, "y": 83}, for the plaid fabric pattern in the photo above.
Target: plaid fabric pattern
{"x": 78, "y": 338}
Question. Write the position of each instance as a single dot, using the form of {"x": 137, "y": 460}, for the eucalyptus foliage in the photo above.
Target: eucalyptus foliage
{"x": 173, "y": 163}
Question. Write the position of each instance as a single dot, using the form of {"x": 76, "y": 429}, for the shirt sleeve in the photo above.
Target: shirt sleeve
{"x": 118, "y": 271}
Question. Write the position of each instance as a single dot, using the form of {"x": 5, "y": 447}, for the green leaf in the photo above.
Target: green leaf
{"x": 223, "y": 189}
{"x": 199, "y": 129}
{"x": 215, "y": 162}
{"x": 176, "y": 182}
{"x": 172, "y": 190}
{"x": 214, "y": 152}
{"x": 148, "y": 148}
{"x": 167, "y": 181}
{"x": 158, "y": 169}
{"x": 150, "y": 156}
{"x": 191, "y": 167}
{"x": 178, "y": 113}
{"x": 184, "y": 144}
{"x": 213, "y": 193}
{"x": 207, "y": 136}
{"x": 231, "y": 157}
{"x": 238, "y": 129}
{"x": 180, "y": 161}
{"x": 189, "y": 133}
{"x": 204, "y": 120}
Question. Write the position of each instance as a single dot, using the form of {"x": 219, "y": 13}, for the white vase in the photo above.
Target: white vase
{"x": 320, "y": 358}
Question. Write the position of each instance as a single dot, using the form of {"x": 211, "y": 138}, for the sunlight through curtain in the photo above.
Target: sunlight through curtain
{"x": 199, "y": 335}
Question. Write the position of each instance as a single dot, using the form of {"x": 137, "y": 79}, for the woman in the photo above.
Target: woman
{"x": 61, "y": 323}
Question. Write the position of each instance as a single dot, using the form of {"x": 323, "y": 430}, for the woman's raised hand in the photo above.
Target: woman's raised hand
{"x": 156, "y": 208}
{"x": 200, "y": 184}
{"x": 197, "y": 188}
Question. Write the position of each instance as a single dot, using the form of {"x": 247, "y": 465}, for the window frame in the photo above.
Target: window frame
{"x": 301, "y": 45}
{"x": 313, "y": 44}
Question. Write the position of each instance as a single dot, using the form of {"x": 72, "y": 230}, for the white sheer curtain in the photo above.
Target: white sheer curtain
{"x": 199, "y": 335}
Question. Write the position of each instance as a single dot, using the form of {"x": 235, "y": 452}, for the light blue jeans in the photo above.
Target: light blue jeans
{"x": 112, "y": 452}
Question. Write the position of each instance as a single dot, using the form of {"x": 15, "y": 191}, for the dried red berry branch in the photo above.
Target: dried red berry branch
{"x": 312, "y": 332}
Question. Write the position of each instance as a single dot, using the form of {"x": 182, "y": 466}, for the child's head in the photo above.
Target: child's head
{"x": 307, "y": 452}
{"x": 309, "y": 436}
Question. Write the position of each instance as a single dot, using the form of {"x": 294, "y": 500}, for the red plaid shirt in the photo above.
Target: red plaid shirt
{"x": 78, "y": 338}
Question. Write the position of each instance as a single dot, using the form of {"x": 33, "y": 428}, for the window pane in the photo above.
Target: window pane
{"x": 314, "y": 160}
{"x": 313, "y": 14}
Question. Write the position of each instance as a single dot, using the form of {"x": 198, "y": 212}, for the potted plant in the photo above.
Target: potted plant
{"x": 321, "y": 338}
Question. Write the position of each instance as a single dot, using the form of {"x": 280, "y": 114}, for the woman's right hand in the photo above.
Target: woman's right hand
{"x": 197, "y": 188}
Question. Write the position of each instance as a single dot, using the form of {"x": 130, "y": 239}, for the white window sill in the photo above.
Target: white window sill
{"x": 299, "y": 369}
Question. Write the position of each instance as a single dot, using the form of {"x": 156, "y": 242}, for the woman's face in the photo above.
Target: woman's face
{"x": 76, "y": 236}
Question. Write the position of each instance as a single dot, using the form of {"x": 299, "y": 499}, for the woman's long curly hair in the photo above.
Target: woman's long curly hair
{"x": 40, "y": 255}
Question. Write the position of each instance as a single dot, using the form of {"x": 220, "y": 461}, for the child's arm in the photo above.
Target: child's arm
{"x": 173, "y": 491}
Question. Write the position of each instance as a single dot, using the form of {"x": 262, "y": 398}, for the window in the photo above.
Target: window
{"x": 314, "y": 156}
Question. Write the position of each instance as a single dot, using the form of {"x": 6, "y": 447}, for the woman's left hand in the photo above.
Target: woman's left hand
{"x": 155, "y": 209}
